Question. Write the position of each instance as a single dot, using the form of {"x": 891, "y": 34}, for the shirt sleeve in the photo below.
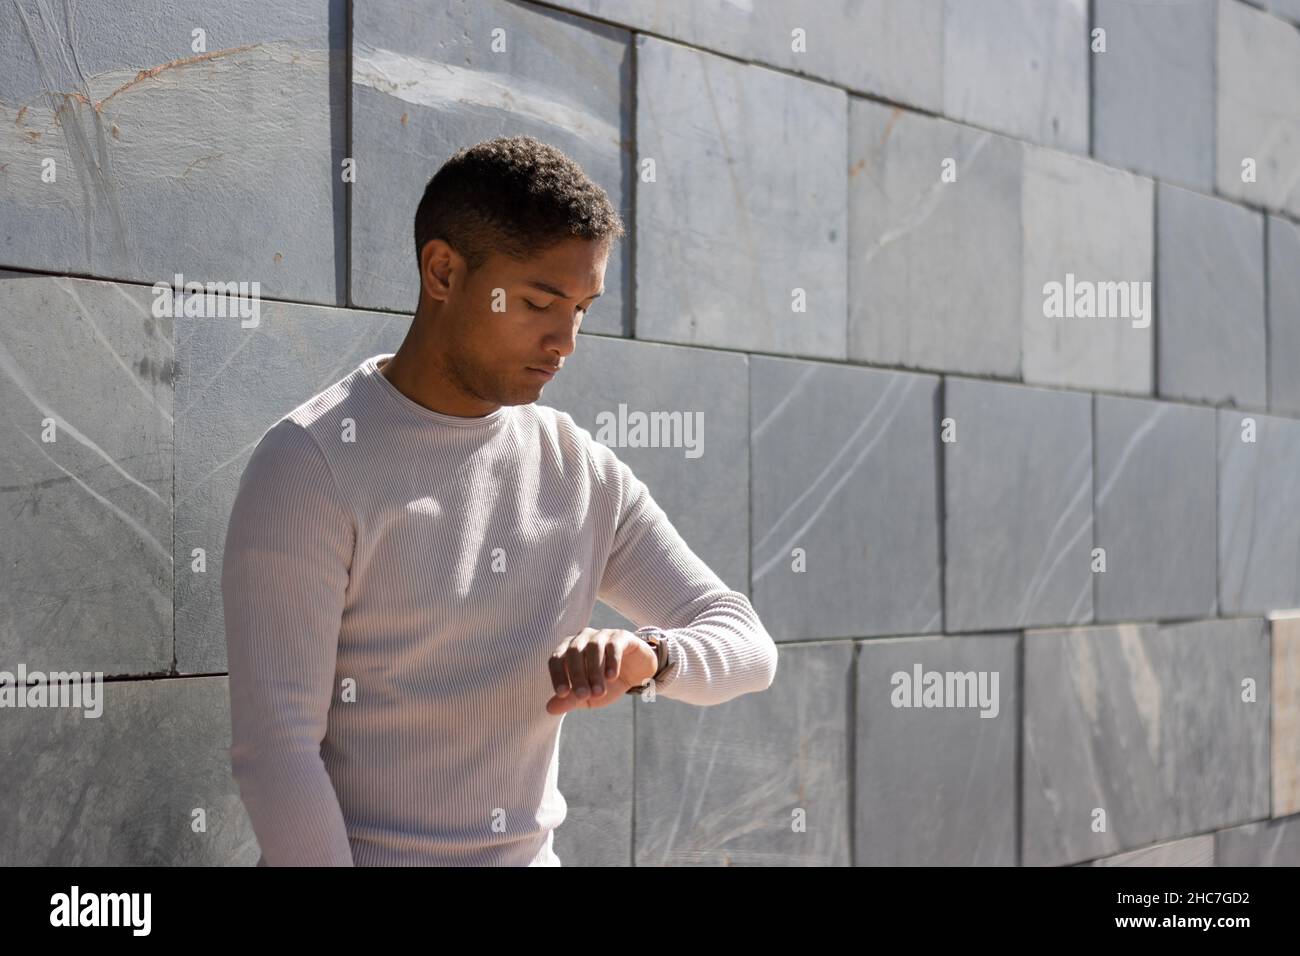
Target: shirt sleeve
{"x": 285, "y": 569}
{"x": 718, "y": 647}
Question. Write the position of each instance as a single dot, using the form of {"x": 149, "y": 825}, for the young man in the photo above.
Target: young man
{"x": 414, "y": 553}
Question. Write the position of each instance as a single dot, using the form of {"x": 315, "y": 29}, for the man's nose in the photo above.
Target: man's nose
{"x": 565, "y": 341}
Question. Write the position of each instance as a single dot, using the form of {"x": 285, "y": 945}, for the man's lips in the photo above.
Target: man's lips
{"x": 548, "y": 371}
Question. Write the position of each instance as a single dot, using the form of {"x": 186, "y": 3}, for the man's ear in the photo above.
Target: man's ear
{"x": 439, "y": 263}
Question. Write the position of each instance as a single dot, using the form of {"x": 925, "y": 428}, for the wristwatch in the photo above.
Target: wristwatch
{"x": 657, "y": 639}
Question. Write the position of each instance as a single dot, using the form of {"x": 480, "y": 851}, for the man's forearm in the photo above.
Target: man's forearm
{"x": 292, "y": 805}
{"x": 723, "y": 653}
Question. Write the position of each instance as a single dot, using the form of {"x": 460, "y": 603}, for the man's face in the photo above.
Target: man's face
{"x": 490, "y": 354}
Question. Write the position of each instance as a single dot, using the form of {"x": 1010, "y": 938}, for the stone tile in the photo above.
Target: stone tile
{"x": 122, "y": 788}
{"x": 934, "y": 266}
{"x": 761, "y": 780}
{"x": 85, "y": 478}
{"x": 1153, "y": 89}
{"x": 1210, "y": 290}
{"x": 1285, "y": 731}
{"x": 936, "y": 786}
{"x": 1154, "y": 509}
{"x": 222, "y": 165}
{"x": 891, "y": 48}
{"x": 741, "y": 214}
{"x": 232, "y": 385}
{"x": 1147, "y": 723}
{"x": 1194, "y": 851}
{"x": 1257, "y": 110}
{"x": 427, "y": 81}
{"x": 1284, "y": 8}
{"x": 1089, "y": 229}
{"x": 1283, "y": 316}
{"x": 940, "y": 270}
{"x": 1271, "y": 843}
{"x": 1259, "y": 523}
{"x": 596, "y": 783}
{"x": 702, "y": 486}
{"x": 844, "y": 472}
{"x": 1019, "y": 67}
{"x": 1017, "y": 506}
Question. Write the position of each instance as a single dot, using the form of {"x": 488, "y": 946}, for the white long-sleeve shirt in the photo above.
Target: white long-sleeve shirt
{"x": 394, "y": 581}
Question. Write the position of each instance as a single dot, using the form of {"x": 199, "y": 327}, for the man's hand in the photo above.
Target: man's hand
{"x": 596, "y": 667}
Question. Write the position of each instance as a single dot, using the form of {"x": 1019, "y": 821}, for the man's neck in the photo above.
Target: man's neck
{"x": 421, "y": 389}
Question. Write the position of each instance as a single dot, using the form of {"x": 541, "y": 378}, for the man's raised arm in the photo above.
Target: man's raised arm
{"x": 719, "y": 646}
{"x": 287, "y": 560}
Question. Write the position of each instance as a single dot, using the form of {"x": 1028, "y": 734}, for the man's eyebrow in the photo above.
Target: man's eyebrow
{"x": 546, "y": 287}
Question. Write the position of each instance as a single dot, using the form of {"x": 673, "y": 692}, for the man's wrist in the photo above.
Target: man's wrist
{"x": 658, "y": 640}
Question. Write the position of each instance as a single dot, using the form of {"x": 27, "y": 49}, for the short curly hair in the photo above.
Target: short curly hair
{"x": 516, "y": 196}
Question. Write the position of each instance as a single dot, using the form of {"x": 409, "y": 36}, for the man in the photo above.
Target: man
{"x": 414, "y": 553}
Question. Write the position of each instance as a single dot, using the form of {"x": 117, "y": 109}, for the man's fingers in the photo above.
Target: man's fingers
{"x": 594, "y": 658}
{"x": 560, "y": 679}
{"x": 584, "y": 667}
{"x": 575, "y": 664}
{"x": 613, "y": 659}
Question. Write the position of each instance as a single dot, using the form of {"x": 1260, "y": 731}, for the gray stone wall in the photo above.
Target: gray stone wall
{"x": 852, "y": 223}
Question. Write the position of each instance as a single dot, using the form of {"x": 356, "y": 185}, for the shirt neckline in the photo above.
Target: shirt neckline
{"x": 370, "y": 368}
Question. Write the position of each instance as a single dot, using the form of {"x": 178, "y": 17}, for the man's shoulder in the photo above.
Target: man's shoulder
{"x": 306, "y": 429}
{"x": 326, "y": 410}
{"x": 550, "y": 417}
{"x": 562, "y": 429}
{"x": 608, "y": 467}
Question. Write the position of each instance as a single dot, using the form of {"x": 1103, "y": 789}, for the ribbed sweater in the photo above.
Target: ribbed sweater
{"x": 394, "y": 580}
